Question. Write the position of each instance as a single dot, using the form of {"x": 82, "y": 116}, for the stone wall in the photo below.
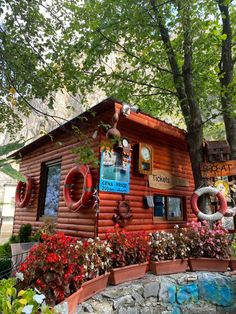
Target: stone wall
{"x": 189, "y": 293}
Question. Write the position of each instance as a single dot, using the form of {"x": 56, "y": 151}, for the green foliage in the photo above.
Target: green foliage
{"x": 5, "y": 260}
{"x": 113, "y": 46}
{"x": 25, "y": 233}
{"x": 13, "y": 301}
{"x": 85, "y": 155}
{"x": 5, "y": 163}
{"x": 233, "y": 247}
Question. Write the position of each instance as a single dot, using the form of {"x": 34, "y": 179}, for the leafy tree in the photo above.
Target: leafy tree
{"x": 166, "y": 56}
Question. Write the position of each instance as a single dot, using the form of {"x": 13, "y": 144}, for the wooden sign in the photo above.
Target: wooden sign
{"x": 163, "y": 180}
{"x": 218, "y": 169}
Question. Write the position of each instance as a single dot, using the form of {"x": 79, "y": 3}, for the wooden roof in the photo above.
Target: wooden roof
{"x": 141, "y": 118}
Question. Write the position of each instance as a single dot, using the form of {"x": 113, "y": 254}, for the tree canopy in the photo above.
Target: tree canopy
{"x": 166, "y": 56}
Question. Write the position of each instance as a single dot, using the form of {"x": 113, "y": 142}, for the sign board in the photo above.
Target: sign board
{"x": 218, "y": 169}
{"x": 164, "y": 180}
{"x": 114, "y": 172}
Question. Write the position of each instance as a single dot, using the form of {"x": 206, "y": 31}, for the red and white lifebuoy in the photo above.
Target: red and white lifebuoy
{"x": 209, "y": 190}
{"x": 24, "y": 192}
{"x": 87, "y": 187}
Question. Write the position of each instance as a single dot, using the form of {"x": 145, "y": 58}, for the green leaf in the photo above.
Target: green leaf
{"x": 8, "y": 148}
{"x": 13, "y": 173}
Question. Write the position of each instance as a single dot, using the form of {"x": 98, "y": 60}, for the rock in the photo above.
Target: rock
{"x": 198, "y": 308}
{"x": 86, "y": 307}
{"x": 186, "y": 293}
{"x": 167, "y": 292}
{"x": 216, "y": 289}
{"x": 129, "y": 310}
{"x": 151, "y": 289}
{"x": 226, "y": 310}
{"x": 127, "y": 299}
{"x": 102, "y": 308}
{"x": 137, "y": 297}
{"x": 187, "y": 278}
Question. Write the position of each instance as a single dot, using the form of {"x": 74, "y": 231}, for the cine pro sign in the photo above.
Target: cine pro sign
{"x": 218, "y": 169}
{"x": 163, "y": 180}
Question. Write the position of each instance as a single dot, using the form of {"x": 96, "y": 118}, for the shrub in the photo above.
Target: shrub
{"x": 23, "y": 301}
{"x": 207, "y": 242}
{"x": 163, "y": 246}
{"x": 95, "y": 256}
{"x": 52, "y": 267}
{"x": 128, "y": 248}
{"x": 5, "y": 260}
{"x": 25, "y": 233}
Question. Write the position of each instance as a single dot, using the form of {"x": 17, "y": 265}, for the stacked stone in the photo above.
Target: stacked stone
{"x": 189, "y": 293}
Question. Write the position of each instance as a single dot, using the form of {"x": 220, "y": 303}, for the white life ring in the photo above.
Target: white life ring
{"x": 209, "y": 190}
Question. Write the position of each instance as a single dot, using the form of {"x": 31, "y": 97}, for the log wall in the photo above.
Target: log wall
{"x": 170, "y": 154}
{"x": 79, "y": 224}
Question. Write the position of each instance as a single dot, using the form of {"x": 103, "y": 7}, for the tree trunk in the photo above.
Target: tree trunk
{"x": 226, "y": 78}
{"x": 183, "y": 82}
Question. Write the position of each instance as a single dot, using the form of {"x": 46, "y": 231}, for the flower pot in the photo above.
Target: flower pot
{"x": 232, "y": 263}
{"x": 168, "y": 267}
{"x": 208, "y": 264}
{"x": 69, "y": 304}
{"x": 93, "y": 286}
{"x": 126, "y": 273}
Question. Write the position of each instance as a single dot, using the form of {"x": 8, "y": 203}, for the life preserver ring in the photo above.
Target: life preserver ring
{"x": 209, "y": 190}
{"x": 24, "y": 188}
{"x": 87, "y": 187}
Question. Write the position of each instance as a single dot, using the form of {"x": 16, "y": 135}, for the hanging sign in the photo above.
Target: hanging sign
{"x": 164, "y": 180}
{"x": 114, "y": 172}
{"x": 218, "y": 169}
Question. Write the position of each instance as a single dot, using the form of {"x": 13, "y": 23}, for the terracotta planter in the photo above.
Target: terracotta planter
{"x": 126, "y": 273}
{"x": 208, "y": 264}
{"x": 169, "y": 266}
{"x": 93, "y": 286}
{"x": 72, "y": 301}
{"x": 232, "y": 263}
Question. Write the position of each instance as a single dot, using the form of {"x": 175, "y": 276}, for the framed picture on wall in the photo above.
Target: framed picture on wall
{"x": 114, "y": 172}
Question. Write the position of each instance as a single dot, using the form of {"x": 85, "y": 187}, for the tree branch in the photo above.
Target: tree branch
{"x": 131, "y": 54}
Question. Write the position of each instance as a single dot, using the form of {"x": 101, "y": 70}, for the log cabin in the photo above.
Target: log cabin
{"x": 142, "y": 179}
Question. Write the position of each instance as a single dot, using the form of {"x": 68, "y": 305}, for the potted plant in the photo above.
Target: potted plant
{"x": 130, "y": 254}
{"x": 95, "y": 256}
{"x": 209, "y": 248}
{"x": 52, "y": 267}
{"x": 232, "y": 262}
{"x": 67, "y": 270}
{"x": 169, "y": 252}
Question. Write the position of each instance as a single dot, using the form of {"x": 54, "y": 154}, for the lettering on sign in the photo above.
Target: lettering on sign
{"x": 164, "y": 180}
{"x": 218, "y": 169}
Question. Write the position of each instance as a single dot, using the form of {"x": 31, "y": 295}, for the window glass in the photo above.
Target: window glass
{"x": 168, "y": 207}
{"x": 159, "y": 206}
{"x": 52, "y": 189}
{"x": 174, "y": 207}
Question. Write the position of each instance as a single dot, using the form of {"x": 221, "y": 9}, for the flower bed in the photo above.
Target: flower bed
{"x": 60, "y": 265}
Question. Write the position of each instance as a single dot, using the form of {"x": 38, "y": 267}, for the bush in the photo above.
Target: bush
{"x": 23, "y": 301}
{"x": 5, "y": 260}
{"x": 52, "y": 267}
{"x": 25, "y": 233}
{"x": 207, "y": 242}
{"x": 128, "y": 247}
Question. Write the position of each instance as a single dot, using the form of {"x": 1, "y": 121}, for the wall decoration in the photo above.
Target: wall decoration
{"x": 218, "y": 169}
{"x": 164, "y": 180}
{"x": 114, "y": 171}
{"x": 143, "y": 157}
